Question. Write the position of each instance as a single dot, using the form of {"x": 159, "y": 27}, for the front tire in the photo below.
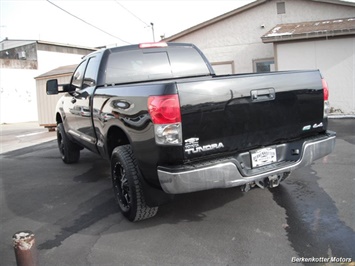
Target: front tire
{"x": 127, "y": 186}
{"x": 69, "y": 151}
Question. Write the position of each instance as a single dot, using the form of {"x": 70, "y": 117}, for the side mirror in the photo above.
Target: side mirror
{"x": 52, "y": 87}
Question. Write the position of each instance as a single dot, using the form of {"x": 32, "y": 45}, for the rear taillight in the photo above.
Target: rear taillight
{"x": 326, "y": 98}
{"x": 325, "y": 90}
{"x": 166, "y": 117}
{"x": 164, "y": 109}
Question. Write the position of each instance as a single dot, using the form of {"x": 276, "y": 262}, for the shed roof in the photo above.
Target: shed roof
{"x": 60, "y": 71}
{"x": 310, "y": 30}
{"x": 240, "y": 10}
{"x": 12, "y": 43}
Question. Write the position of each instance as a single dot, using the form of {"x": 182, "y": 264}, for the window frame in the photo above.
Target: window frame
{"x": 263, "y": 60}
{"x": 83, "y": 65}
{"x": 91, "y": 81}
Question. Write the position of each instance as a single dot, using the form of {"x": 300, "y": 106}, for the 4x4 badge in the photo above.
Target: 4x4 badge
{"x": 318, "y": 125}
{"x": 315, "y": 125}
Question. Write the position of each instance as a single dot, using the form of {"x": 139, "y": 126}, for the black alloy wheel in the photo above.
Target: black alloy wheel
{"x": 69, "y": 151}
{"x": 121, "y": 187}
{"x": 127, "y": 185}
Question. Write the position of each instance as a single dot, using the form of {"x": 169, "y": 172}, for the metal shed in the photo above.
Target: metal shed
{"x": 46, "y": 103}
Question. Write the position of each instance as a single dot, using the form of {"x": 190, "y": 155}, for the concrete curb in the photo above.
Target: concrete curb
{"x": 341, "y": 116}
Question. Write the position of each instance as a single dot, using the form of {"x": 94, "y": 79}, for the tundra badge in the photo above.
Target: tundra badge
{"x": 192, "y": 146}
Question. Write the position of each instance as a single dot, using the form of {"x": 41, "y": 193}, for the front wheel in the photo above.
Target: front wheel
{"x": 127, "y": 186}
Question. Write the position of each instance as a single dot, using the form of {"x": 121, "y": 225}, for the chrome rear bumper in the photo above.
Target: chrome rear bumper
{"x": 225, "y": 173}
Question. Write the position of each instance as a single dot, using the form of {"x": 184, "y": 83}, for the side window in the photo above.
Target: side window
{"x": 91, "y": 72}
{"x": 78, "y": 76}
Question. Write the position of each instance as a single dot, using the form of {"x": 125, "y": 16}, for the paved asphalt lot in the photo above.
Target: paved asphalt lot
{"x": 71, "y": 210}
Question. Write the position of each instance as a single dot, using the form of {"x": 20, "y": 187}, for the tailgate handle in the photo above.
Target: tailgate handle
{"x": 261, "y": 95}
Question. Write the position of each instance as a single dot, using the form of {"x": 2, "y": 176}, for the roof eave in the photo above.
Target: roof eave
{"x": 308, "y": 35}
{"x": 58, "y": 72}
{"x": 65, "y": 45}
{"x": 336, "y": 2}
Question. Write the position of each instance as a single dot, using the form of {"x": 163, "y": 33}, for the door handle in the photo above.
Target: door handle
{"x": 262, "y": 95}
{"x": 73, "y": 100}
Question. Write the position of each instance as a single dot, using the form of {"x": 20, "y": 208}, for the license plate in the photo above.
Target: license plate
{"x": 263, "y": 157}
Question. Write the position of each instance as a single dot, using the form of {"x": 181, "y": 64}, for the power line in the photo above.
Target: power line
{"x": 151, "y": 25}
{"x": 132, "y": 13}
{"x": 88, "y": 23}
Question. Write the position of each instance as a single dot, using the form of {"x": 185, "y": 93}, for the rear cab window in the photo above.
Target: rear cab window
{"x": 154, "y": 64}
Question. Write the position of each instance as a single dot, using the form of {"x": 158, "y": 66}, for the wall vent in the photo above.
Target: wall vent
{"x": 281, "y": 8}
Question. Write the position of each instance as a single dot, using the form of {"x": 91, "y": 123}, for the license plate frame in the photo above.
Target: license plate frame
{"x": 263, "y": 156}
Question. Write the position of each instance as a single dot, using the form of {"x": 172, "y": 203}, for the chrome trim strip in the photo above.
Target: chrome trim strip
{"x": 82, "y": 136}
{"x": 74, "y": 133}
{"x": 226, "y": 174}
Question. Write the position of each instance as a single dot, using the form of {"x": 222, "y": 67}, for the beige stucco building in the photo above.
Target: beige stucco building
{"x": 242, "y": 41}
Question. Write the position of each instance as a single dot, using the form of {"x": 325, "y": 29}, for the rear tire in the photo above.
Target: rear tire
{"x": 69, "y": 150}
{"x": 127, "y": 186}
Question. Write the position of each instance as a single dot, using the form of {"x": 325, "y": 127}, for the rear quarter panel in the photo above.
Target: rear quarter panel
{"x": 125, "y": 107}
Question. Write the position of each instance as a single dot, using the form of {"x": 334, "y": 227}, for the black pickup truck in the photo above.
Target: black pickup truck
{"x": 169, "y": 125}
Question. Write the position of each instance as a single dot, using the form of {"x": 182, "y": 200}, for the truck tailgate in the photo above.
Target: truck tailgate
{"x": 237, "y": 113}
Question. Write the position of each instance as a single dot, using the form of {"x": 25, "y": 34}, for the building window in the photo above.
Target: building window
{"x": 223, "y": 68}
{"x": 264, "y": 65}
{"x": 281, "y": 9}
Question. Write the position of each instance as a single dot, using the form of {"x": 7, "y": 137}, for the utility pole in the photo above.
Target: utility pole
{"x": 152, "y": 25}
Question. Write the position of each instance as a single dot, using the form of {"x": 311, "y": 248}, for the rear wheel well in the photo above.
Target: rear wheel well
{"x": 153, "y": 196}
{"x": 58, "y": 118}
{"x": 115, "y": 137}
